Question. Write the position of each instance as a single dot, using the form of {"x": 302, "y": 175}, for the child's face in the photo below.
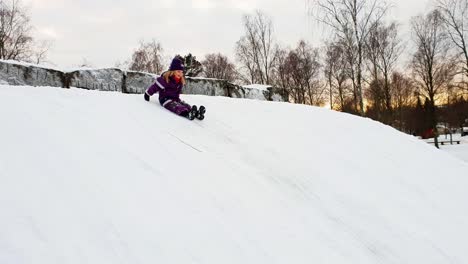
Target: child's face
{"x": 178, "y": 74}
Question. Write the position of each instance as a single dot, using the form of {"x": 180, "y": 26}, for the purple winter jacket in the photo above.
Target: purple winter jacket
{"x": 171, "y": 90}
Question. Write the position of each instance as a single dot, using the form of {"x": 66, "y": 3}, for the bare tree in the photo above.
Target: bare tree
{"x": 310, "y": 68}
{"x": 455, "y": 17}
{"x": 431, "y": 63}
{"x": 39, "y": 54}
{"x": 256, "y": 50}
{"x": 147, "y": 57}
{"x": 372, "y": 46}
{"x": 402, "y": 93}
{"x": 336, "y": 73}
{"x": 351, "y": 21}
{"x": 296, "y": 87}
{"x": 245, "y": 57}
{"x": 281, "y": 77}
{"x": 383, "y": 48}
{"x": 298, "y": 71}
{"x": 375, "y": 100}
{"x": 218, "y": 66}
{"x": 16, "y": 41}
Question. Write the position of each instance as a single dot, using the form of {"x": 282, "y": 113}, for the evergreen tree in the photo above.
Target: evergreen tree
{"x": 192, "y": 66}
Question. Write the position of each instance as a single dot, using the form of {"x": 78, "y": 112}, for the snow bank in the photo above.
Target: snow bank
{"x": 94, "y": 177}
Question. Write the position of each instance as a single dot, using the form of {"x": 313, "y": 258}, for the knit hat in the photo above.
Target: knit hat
{"x": 176, "y": 64}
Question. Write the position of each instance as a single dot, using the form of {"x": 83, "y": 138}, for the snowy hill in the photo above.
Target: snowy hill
{"x": 104, "y": 177}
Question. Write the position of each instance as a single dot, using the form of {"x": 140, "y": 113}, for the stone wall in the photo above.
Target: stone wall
{"x": 24, "y": 74}
{"x": 137, "y": 82}
{"x": 205, "y": 86}
{"x": 99, "y": 79}
{"x": 17, "y": 73}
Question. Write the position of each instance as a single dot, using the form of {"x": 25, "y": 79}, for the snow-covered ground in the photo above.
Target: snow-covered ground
{"x": 104, "y": 177}
{"x": 457, "y": 150}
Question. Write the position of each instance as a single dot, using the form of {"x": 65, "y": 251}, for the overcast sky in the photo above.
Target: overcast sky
{"x": 107, "y": 31}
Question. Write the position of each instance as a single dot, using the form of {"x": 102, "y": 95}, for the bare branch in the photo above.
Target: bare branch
{"x": 351, "y": 21}
{"x": 256, "y": 50}
{"x": 147, "y": 57}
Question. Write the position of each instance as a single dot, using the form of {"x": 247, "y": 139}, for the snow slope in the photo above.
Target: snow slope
{"x": 457, "y": 150}
{"x": 103, "y": 177}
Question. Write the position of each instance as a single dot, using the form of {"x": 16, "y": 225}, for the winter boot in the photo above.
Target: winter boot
{"x": 201, "y": 113}
{"x": 192, "y": 113}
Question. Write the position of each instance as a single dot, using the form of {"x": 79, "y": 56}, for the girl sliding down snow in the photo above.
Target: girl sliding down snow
{"x": 169, "y": 85}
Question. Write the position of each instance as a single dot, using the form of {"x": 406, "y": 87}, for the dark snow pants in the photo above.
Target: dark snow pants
{"x": 176, "y": 106}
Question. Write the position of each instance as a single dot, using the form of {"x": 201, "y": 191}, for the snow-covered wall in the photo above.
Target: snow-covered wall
{"x": 25, "y": 74}
{"x": 18, "y": 73}
{"x": 278, "y": 94}
{"x": 206, "y": 86}
{"x": 137, "y": 82}
{"x": 97, "y": 79}
{"x": 265, "y": 92}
